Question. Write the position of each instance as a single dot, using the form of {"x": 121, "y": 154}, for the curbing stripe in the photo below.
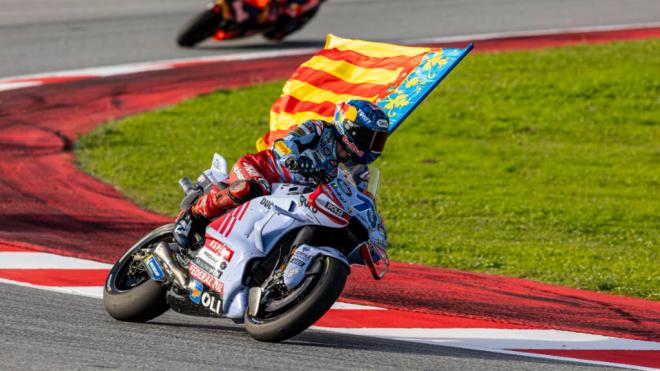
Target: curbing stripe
{"x": 371, "y": 321}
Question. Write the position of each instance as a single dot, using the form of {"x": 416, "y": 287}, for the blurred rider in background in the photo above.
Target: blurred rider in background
{"x": 308, "y": 154}
{"x": 287, "y": 16}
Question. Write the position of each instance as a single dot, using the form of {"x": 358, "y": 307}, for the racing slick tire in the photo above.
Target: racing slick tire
{"x": 200, "y": 28}
{"x": 310, "y": 309}
{"x": 136, "y": 298}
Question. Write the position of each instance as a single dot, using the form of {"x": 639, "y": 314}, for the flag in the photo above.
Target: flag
{"x": 395, "y": 77}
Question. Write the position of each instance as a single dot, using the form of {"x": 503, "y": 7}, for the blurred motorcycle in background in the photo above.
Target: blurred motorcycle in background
{"x": 231, "y": 19}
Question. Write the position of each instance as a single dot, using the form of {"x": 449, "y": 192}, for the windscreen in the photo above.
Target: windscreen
{"x": 374, "y": 180}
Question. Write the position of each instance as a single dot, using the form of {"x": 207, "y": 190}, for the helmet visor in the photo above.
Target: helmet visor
{"x": 368, "y": 139}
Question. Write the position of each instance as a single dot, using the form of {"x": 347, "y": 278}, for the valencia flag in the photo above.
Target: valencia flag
{"x": 396, "y": 77}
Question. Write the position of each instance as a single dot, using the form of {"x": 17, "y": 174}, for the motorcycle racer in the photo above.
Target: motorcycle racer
{"x": 287, "y": 16}
{"x": 308, "y": 154}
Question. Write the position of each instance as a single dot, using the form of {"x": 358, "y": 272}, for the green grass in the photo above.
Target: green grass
{"x": 542, "y": 164}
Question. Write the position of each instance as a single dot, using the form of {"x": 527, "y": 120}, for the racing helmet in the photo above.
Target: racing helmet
{"x": 362, "y": 127}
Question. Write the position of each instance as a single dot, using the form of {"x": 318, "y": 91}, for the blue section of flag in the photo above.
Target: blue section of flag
{"x": 419, "y": 84}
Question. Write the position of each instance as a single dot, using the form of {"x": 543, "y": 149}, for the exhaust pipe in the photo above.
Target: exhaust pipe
{"x": 178, "y": 274}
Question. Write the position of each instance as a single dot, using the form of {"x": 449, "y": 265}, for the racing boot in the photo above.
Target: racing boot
{"x": 211, "y": 205}
{"x": 186, "y": 226}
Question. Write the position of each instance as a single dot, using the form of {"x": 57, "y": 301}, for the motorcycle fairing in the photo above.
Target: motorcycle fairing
{"x": 252, "y": 229}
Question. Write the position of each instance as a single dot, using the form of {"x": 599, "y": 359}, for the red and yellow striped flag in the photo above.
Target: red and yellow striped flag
{"x": 355, "y": 69}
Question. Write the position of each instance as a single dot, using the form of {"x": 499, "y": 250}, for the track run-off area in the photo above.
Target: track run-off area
{"x": 59, "y": 228}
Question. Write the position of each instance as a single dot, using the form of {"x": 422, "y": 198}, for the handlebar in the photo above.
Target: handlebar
{"x": 186, "y": 185}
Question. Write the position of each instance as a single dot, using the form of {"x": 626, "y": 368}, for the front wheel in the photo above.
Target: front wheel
{"x": 129, "y": 294}
{"x": 320, "y": 293}
{"x": 199, "y": 28}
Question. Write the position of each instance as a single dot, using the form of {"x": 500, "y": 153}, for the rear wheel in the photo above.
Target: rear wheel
{"x": 129, "y": 294}
{"x": 284, "y": 315}
{"x": 199, "y": 28}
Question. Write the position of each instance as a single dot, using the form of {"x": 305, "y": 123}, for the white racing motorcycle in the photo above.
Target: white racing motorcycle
{"x": 276, "y": 263}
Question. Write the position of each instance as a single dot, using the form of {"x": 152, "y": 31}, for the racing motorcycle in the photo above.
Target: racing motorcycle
{"x": 276, "y": 263}
{"x": 231, "y": 19}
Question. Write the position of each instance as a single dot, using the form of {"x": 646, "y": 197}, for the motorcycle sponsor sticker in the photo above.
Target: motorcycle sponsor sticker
{"x": 211, "y": 302}
{"x": 153, "y": 268}
{"x": 297, "y": 261}
{"x": 344, "y": 187}
{"x": 334, "y": 209}
{"x": 214, "y": 258}
{"x": 206, "y": 278}
{"x": 209, "y": 256}
{"x": 304, "y": 202}
{"x": 339, "y": 194}
{"x": 220, "y": 248}
{"x": 215, "y": 272}
{"x": 266, "y": 203}
{"x": 196, "y": 292}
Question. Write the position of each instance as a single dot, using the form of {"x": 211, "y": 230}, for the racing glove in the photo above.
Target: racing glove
{"x": 305, "y": 167}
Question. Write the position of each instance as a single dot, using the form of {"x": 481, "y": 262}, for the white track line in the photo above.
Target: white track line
{"x": 39, "y": 260}
{"x": 89, "y": 291}
{"x": 18, "y": 85}
{"x": 22, "y": 81}
{"x": 502, "y": 341}
{"x": 17, "y": 260}
{"x": 504, "y": 338}
{"x": 130, "y": 68}
{"x": 480, "y": 339}
{"x": 340, "y": 305}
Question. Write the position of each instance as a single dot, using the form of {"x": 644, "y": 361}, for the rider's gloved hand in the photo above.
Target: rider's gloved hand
{"x": 306, "y": 166}
{"x": 303, "y": 165}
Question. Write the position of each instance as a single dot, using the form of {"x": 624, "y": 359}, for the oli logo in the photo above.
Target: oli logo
{"x": 211, "y": 302}
{"x": 206, "y": 299}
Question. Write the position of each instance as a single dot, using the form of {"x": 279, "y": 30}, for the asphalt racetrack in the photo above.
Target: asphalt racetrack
{"x": 46, "y": 330}
{"x": 69, "y": 34}
{"x": 61, "y": 331}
